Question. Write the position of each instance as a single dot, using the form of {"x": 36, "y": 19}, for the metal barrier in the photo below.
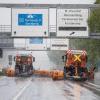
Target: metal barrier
{"x": 5, "y": 36}
{"x": 52, "y": 28}
{"x": 5, "y": 28}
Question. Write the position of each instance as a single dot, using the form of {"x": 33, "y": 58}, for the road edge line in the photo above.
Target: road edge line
{"x": 22, "y": 90}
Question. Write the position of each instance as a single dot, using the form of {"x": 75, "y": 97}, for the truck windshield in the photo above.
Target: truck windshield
{"x": 24, "y": 59}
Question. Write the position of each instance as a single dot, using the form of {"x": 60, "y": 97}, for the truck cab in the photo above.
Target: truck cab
{"x": 75, "y": 64}
{"x": 23, "y": 64}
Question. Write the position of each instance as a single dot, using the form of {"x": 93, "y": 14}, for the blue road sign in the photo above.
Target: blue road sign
{"x": 30, "y": 19}
{"x": 36, "y": 40}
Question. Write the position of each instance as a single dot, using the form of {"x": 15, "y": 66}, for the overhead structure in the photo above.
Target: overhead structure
{"x": 49, "y": 24}
{"x": 47, "y": 44}
{"x": 50, "y": 2}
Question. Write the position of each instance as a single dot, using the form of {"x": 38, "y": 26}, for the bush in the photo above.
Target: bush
{"x": 94, "y": 21}
{"x": 97, "y": 2}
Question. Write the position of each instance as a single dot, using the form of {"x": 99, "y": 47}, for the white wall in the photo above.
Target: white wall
{"x": 5, "y": 16}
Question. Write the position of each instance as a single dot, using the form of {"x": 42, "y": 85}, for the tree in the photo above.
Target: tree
{"x": 97, "y": 2}
{"x": 92, "y": 46}
{"x": 94, "y": 21}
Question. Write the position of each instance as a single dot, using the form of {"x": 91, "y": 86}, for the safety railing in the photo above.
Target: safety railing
{"x": 52, "y": 28}
{"x": 5, "y": 28}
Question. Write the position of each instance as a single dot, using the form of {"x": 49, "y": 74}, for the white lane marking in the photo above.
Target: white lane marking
{"x": 93, "y": 84}
{"x": 91, "y": 87}
{"x": 2, "y": 77}
{"x": 22, "y": 90}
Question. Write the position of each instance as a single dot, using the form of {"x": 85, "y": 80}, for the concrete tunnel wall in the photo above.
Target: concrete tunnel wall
{"x": 43, "y": 59}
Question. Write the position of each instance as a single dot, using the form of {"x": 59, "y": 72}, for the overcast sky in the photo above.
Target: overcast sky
{"x": 5, "y": 14}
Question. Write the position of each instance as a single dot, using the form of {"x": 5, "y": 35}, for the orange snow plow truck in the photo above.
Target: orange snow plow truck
{"x": 75, "y": 66}
{"x": 23, "y": 64}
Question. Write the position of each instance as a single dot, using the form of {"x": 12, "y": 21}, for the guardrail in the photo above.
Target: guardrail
{"x": 5, "y": 28}
{"x": 52, "y": 28}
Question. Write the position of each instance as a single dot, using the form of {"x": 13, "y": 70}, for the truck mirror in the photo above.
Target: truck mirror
{"x": 33, "y": 59}
{"x": 14, "y": 58}
{"x": 64, "y": 58}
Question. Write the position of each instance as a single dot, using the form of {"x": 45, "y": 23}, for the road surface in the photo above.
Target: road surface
{"x": 42, "y": 88}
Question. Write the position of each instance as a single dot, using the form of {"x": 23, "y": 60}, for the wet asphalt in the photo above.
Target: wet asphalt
{"x": 43, "y": 88}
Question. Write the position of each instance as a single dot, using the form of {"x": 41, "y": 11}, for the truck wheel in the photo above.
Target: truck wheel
{"x": 16, "y": 71}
